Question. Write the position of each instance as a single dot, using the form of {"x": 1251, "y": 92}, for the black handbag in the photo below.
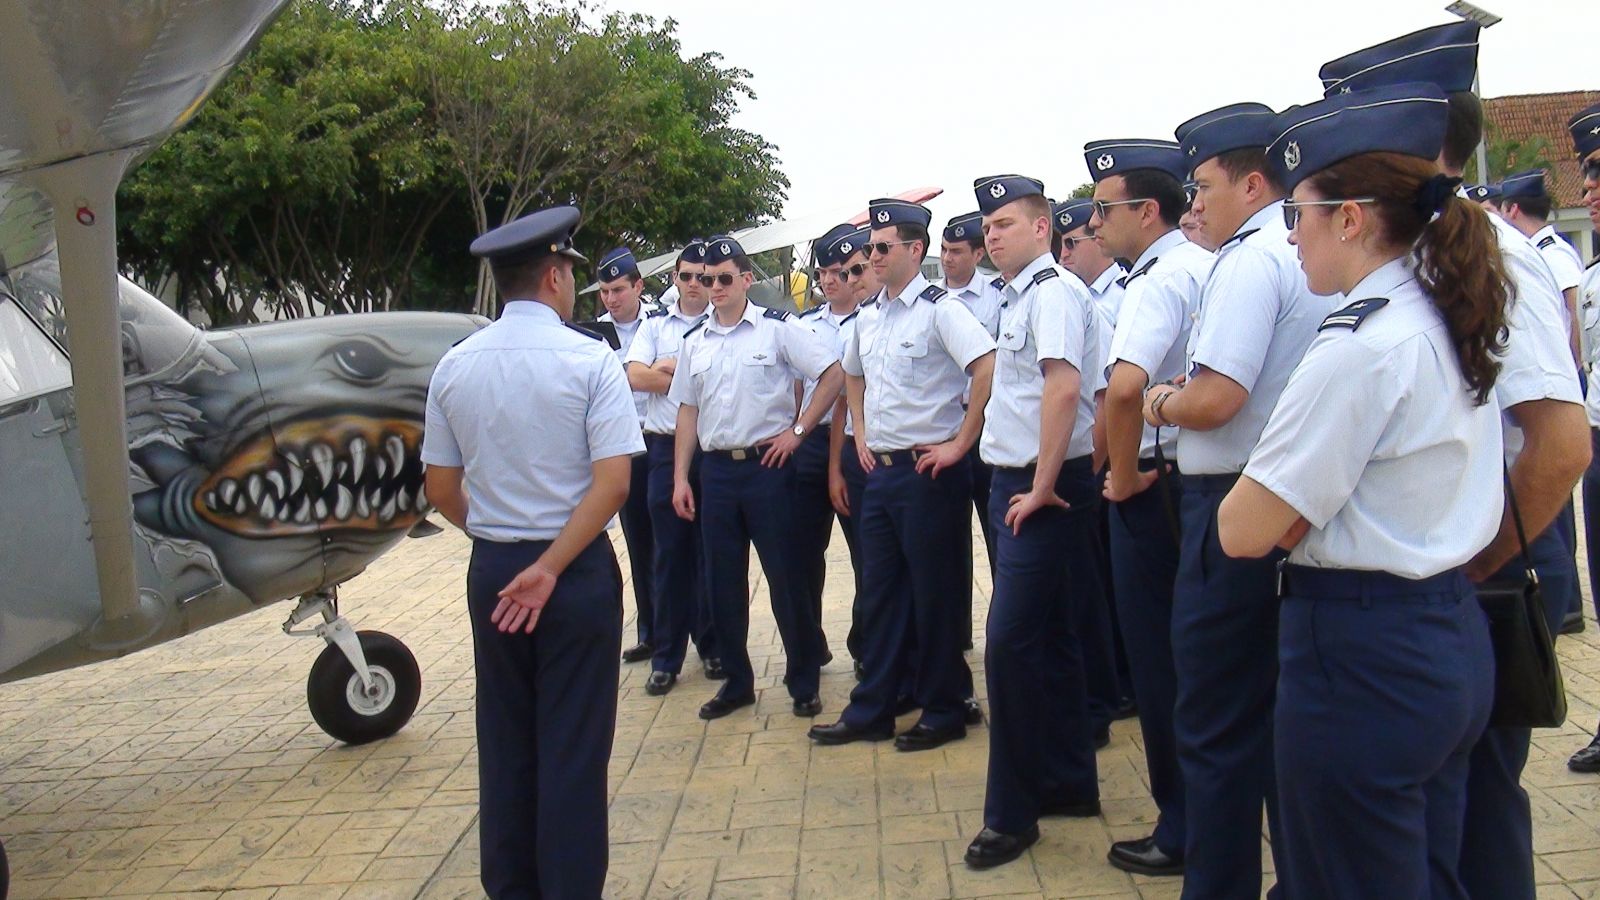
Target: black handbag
{"x": 1528, "y": 692}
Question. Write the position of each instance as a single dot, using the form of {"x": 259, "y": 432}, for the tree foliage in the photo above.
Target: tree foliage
{"x": 1507, "y": 156}
{"x": 348, "y": 161}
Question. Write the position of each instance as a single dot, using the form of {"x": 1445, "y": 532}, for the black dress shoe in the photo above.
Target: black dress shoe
{"x": 714, "y": 670}
{"x": 1586, "y": 760}
{"x": 660, "y": 683}
{"x": 638, "y": 653}
{"x": 991, "y": 848}
{"x": 1126, "y": 709}
{"x": 974, "y": 714}
{"x": 719, "y": 706}
{"x": 1071, "y": 809}
{"x": 922, "y": 737}
{"x": 1143, "y": 857}
{"x": 1102, "y": 737}
{"x": 807, "y": 709}
{"x": 1572, "y": 624}
{"x": 842, "y": 732}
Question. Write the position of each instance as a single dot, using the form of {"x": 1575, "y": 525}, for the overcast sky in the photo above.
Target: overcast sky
{"x": 865, "y": 99}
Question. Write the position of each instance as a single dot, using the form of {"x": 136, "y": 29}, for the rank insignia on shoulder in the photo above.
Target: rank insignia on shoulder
{"x": 811, "y": 312}
{"x": 1353, "y": 315}
{"x": 1238, "y": 238}
{"x": 1548, "y": 241}
{"x": 592, "y": 335}
{"x": 933, "y": 293}
{"x": 656, "y": 313}
{"x": 696, "y": 327}
{"x": 1044, "y": 275}
{"x": 1125, "y": 280}
{"x": 853, "y": 314}
{"x": 778, "y": 314}
{"x": 999, "y": 283}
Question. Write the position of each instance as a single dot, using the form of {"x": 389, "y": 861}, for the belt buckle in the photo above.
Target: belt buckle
{"x": 886, "y": 458}
{"x": 739, "y": 455}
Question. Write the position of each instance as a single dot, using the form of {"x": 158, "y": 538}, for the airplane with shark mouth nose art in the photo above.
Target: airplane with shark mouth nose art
{"x": 156, "y": 479}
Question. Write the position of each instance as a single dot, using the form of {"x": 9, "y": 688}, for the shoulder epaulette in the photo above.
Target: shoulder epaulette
{"x": 696, "y": 327}
{"x": 855, "y": 312}
{"x": 1593, "y": 262}
{"x": 1126, "y": 279}
{"x": 999, "y": 283}
{"x": 1353, "y": 315}
{"x": 593, "y": 335}
{"x": 1046, "y": 274}
{"x": 656, "y": 313}
{"x": 778, "y": 314}
{"x": 1548, "y": 241}
{"x": 1237, "y": 238}
{"x": 867, "y": 303}
{"x": 811, "y": 312}
{"x": 933, "y": 293}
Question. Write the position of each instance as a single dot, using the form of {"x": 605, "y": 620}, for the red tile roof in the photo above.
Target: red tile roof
{"x": 1523, "y": 116}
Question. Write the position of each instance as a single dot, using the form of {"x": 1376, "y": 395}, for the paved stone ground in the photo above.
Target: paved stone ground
{"x": 195, "y": 770}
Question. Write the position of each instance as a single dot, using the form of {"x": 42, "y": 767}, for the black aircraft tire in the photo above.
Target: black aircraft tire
{"x": 340, "y": 707}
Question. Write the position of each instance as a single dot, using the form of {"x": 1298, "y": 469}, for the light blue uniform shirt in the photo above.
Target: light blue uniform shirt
{"x": 526, "y": 406}
{"x": 1256, "y": 319}
{"x": 1161, "y": 295}
{"x": 914, "y": 349}
{"x": 741, "y": 377}
{"x": 1537, "y": 362}
{"x": 825, "y": 324}
{"x": 661, "y": 337}
{"x": 1046, "y": 313}
{"x": 1107, "y": 293}
{"x": 1589, "y": 307}
{"x": 625, "y": 334}
{"x": 981, "y": 298}
{"x": 1378, "y": 443}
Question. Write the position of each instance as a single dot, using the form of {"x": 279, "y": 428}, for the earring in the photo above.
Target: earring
{"x": 1342, "y": 237}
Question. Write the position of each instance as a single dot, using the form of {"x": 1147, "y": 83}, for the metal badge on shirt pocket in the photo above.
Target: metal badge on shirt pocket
{"x": 904, "y": 355}
{"x": 1013, "y": 340}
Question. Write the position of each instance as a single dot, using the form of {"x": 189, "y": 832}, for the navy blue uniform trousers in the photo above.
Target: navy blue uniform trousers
{"x": 1384, "y": 685}
{"x": 916, "y": 547}
{"x": 1591, "y": 513}
{"x": 1497, "y": 844}
{"x": 1041, "y": 743}
{"x": 982, "y": 474}
{"x": 743, "y": 503}
{"x": 683, "y": 607}
{"x": 813, "y": 516}
{"x": 1224, "y": 644}
{"x": 637, "y": 531}
{"x": 1144, "y": 566}
{"x": 546, "y": 711}
{"x": 855, "y": 481}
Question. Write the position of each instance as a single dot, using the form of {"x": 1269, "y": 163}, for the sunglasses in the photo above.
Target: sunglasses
{"x": 855, "y": 271}
{"x": 725, "y": 279}
{"x": 882, "y": 247}
{"x": 1591, "y": 170}
{"x": 686, "y": 277}
{"x": 1072, "y": 243}
{"x": 1291, "y": 208}
{"x": 1102, "y": 207}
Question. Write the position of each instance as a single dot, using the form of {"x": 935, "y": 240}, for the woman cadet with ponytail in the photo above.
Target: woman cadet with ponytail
{"x": 1380, "y": 471}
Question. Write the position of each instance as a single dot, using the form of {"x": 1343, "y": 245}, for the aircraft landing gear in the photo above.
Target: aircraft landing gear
{"x": 365, "y": 684}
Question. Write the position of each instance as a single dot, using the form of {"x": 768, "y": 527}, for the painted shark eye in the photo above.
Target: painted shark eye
{"x": 360, "y": 361}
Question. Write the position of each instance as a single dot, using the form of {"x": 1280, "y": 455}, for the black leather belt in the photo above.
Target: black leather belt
{"x": 897, "y": 457}
{"x": 740, "y": 454}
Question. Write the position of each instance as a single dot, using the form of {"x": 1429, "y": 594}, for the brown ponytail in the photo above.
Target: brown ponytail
{"x": 1459, "y": 264}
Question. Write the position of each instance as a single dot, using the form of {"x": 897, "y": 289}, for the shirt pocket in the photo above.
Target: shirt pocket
{"x": 907, "y": 359}
{"x": 700, "y": 374}
{"x": 1016, "y": 357}
{"x": 758, "y": 370}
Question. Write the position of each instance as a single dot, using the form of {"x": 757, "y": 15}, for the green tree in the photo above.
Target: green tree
{"x": 1509, "y": 155}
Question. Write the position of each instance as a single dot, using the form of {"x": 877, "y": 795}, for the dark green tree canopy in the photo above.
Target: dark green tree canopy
{"x": 347, "y": 162}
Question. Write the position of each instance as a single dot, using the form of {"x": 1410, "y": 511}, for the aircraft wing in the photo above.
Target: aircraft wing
{"x": 86, "y": 88}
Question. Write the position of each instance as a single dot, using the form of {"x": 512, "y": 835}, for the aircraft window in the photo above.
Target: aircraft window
{"x": 29, "y": 363}
{"x": 153, "y": 336}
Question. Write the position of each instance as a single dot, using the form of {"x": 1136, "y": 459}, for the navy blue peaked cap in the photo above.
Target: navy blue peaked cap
{"x": 965, "y": 227}
{"x": 1235, "y": 127}
{"x": 1123, "y": 155}
{"x": 1071, "y": 215}
{"x": 822, "y": 251}
{"x": 1404, "y": 118}
{"x": 534, "y": 236}
{"x": 998, "y": 190}
{"x": 887, "y": 211}
{"x": 1585, "y": 128}
{"x": 619, "y": 263}
{"x": 1523, "y": 184}
{"x": 1445, "y": 55}
{"x": 721, "y": 248}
